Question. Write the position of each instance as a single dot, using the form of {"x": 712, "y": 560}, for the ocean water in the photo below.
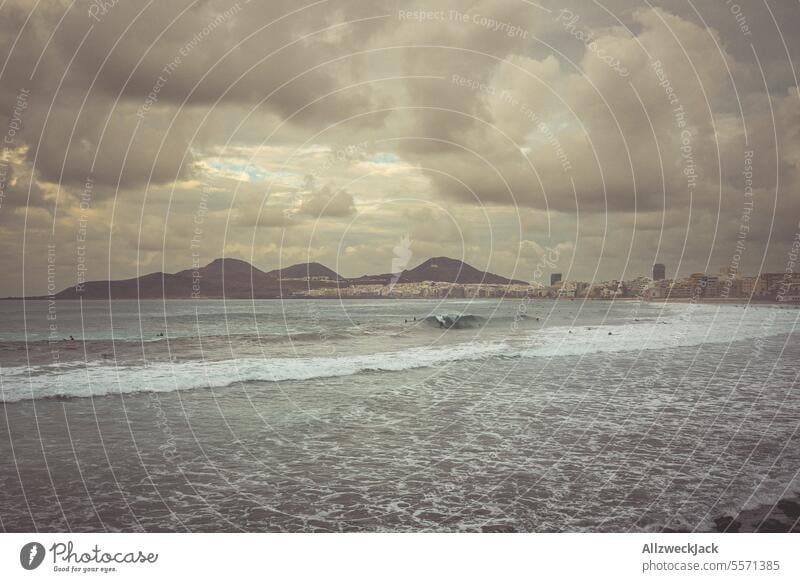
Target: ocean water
{"x": 393, "y": 415}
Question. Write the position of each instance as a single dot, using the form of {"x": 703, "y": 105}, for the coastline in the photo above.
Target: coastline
{"x": 717, "y": 300}
{"x": 706, "y": 300}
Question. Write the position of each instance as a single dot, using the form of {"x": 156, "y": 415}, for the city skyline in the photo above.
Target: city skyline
{"x": 433, "y": 277}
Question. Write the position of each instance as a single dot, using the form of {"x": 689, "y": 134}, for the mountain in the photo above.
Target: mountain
{"x": 237, "y": 279}
{"x": 304, "y": 270}
{"x": 225, "y": 267}
{"x": 453, "y": 271}
{"x": 228, "y": 278}
{"x": 441, "y": 269}
{"x": 154, "y": 285}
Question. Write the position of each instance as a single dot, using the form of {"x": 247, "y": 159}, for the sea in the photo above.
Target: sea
{"x": 457, "y": 415}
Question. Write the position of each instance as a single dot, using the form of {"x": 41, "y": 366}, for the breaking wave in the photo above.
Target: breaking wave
{"x": 446, "y": 321}
{"x": 99, "y": 378}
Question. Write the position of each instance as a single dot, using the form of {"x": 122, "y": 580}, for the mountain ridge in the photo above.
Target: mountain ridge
{"x": 237, "y": 279}
{"x": 441, "y": 269}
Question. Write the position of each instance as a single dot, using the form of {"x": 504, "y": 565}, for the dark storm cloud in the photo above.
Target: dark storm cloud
{"x": 94, "y": 79}
{"x": 502, "y": 106}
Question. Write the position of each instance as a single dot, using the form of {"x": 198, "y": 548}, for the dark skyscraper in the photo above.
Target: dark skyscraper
{"x": 659, "y": 272}
{"x": 554, "y": 278}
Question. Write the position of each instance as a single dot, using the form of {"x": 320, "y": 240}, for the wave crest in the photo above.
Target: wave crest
{"x": 447, "y": 321}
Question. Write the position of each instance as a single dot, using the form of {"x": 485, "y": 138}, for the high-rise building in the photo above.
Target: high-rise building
{"x": 555, "y": 278}
{"x": 659, "y": 272}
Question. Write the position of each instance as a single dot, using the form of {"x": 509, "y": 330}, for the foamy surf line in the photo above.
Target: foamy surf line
{"x": 101, "y": 378}
{"x": 52, "y": 382}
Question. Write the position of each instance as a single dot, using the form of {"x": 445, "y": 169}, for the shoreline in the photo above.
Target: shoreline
{"x": 717, "y": 300}
{"x": 707, "y": 300}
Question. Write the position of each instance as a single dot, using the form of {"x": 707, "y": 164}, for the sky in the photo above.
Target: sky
{"x": 592, "y": 138}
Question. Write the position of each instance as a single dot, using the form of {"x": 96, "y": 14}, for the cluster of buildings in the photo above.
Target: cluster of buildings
{"x": 782, "y": 287}
{"x": 421, "y": 290}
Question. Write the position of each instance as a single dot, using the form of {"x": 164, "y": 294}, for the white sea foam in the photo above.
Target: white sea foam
{"x": 703, "y": 326}
{"x": 21, "y": 383}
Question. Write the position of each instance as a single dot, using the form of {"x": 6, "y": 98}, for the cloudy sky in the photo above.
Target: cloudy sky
{"x": 599, "y": 136}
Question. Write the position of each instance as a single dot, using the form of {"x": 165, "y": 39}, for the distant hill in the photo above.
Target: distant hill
{"x": 441, "y": 269}
{"x": 154, "y": 285}
{"x": 229, "y": 278}
{"x": 453, "y": 271}
{"x": 237, "y": 279}
{"x": 304, "y": 270}
{"x": 225, "y": 267}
